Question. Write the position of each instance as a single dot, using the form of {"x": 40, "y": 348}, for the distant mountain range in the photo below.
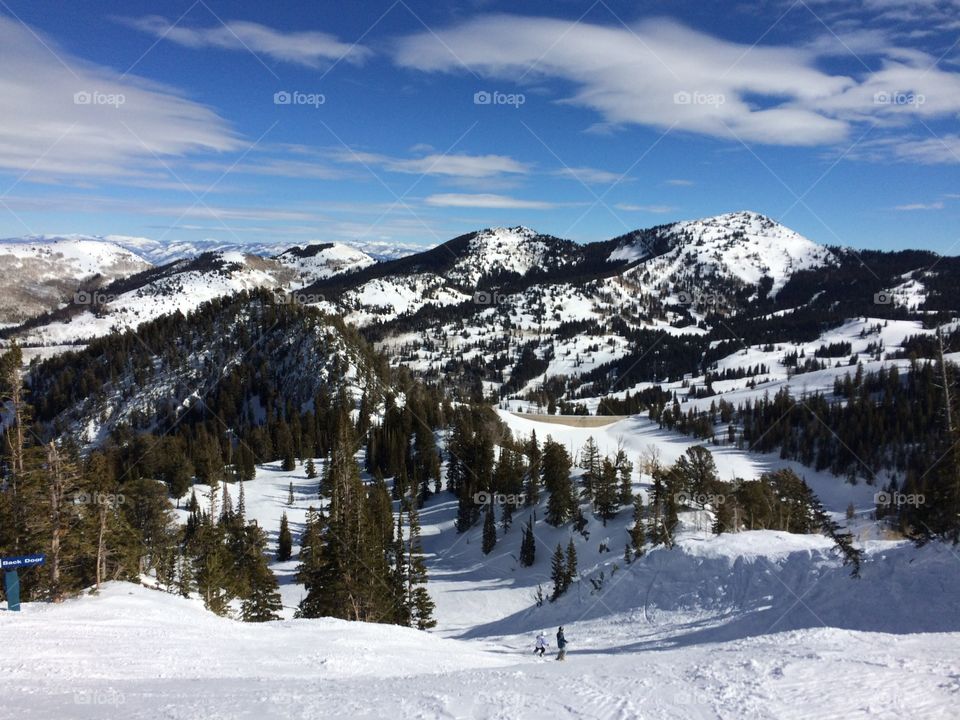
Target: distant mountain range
{"x": 509, "y": 310}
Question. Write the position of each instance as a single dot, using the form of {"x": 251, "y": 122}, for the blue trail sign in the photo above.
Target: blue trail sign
{"x": 12, "y": 578}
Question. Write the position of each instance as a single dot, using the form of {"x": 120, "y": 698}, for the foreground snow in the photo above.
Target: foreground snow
{"x": 138, "y": 653}
{"x": 759, "y": 624}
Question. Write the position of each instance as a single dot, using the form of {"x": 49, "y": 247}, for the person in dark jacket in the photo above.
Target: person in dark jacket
{"x": 561, "y": 644}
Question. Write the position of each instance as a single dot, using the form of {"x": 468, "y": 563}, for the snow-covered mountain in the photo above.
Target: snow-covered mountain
{"x": 545, "y": 307}
{"x": 161, "y": 252}
{"x": 449, "y": 274}
{"x": 180, "y": 363}
{"x": 182, "y": 286}
{"x": 41, "y": 275}
{"x": 321, "y": 261}
{"x": 742, "y": 246}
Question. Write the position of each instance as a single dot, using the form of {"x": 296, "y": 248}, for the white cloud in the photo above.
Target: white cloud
{"x": 662, "y": 74}
{"x": 634, "y": 75}
{"x": 931, "y": 150}
{"x": 486, "y": 200}
{"x": 656, "y": 209}
{"x": 938, "y": 205}
{"x": 591, "y": 176}
{"x": 47, "y": 128}
{"x": 459, "y": 166}
{"x": 309, "y": 48}
{"x": 679, "y": 182}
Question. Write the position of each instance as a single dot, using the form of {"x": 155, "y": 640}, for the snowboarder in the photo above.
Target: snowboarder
{"x": 561, "y": 644}
{"x": 540, "y": 647}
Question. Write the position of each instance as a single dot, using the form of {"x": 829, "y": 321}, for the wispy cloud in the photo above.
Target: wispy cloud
{"x": 679, "y": 182}
{"x": 662, "y": 74}
{"x": 938, "y": 205}
{"x": 591, "y": 176}
{"x": 940, "y": 150}
{"x": 308, "y": 48}
{"x": 487, "y": 200}
{"x": 459, "y": 165}
{"x": 66, "y": 117}
{"x": 656, "y": 209}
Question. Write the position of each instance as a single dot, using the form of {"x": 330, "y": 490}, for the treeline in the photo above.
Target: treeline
{"x": 493, "y": 475}
{"x": 111, "y": 515}
{"x": 899, "y": 424}
{"x": 92, "y": 523}
{"x": 355, "y": 563}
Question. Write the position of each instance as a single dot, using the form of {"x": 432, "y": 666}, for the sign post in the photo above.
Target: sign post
{"x": 11, "y": 578}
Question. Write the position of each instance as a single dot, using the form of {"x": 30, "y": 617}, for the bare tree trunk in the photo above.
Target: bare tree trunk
{"x": 15, "y": 441}
{"x": 56, "y": 526}
{"x": 101, "y": 549}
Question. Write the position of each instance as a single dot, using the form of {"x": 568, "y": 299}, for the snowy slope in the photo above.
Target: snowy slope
{"x": 39, "y": 276}
{"x": 496, "y": 250}
{"x": 745, "y": 246}
{"x": 449, "y": 274}
{"x": 186, "y": 284}
{"x": 752, "y": 625}
{"x": 161, "y": 252}
{"x": 315, "y": 262}
{"x": 134, "y": 653}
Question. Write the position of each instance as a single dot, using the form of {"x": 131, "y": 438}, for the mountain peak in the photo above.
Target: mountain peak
{"x": 518, "y": 232}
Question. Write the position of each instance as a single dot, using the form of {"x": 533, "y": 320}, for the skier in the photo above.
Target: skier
{"x": 541, "y": 645}
{"x": 561, "y": 644}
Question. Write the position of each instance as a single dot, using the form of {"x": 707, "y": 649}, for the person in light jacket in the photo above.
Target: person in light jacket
{"x": 540, "y": 647}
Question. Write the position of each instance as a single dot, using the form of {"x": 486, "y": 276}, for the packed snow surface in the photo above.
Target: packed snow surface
{"x": 758, "y": 624}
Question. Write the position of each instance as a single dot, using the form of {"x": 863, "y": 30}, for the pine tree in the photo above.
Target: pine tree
{"x": 531, "y": 492}
{"x": 606, "y": 495}
{"x": 262, "y": 598}
{"x": 571, "y": 566}
{"x": 723, "y": 519}
{"x": 590, "y": 463}
{"x": 528, "y": 547}
{"x": 556, "y": 479}
{"x": 558, "y": 573}
{"x": 290, "y": 494}
{"x": 284, "y": 540}
{"x": 348, "y": 575}
{"x": 311, "y": 470}
{"x": 637, "y": 534}
{"x": 489, "y": 529}
{"x": 418, "y": 599}
{"x": 185, "y": 582}
{"x": 627, "y": 554}
{"x": 399, "y": 577}
{"x": 625, "y": 471}
{"x": 226, "y": 505}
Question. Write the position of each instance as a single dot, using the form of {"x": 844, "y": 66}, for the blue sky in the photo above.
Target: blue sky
{"x": 413, "y": 122}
